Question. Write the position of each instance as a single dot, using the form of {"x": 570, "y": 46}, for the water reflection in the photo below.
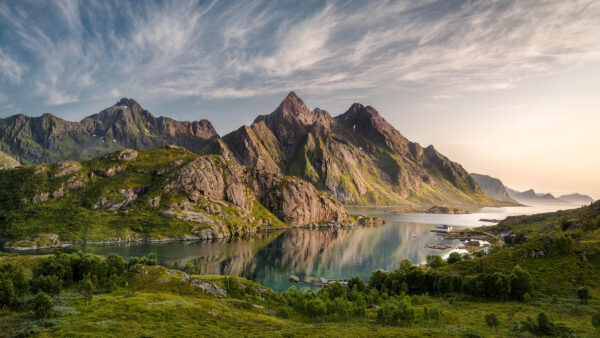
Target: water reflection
{"x": 270, "y": 258}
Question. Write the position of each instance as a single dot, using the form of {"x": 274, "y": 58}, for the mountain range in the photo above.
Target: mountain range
{"x": 493, "y": 187}
{"x": 356, "y": 157}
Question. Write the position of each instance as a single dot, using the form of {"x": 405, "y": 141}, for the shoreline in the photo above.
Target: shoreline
{"x": 361, "y": 221}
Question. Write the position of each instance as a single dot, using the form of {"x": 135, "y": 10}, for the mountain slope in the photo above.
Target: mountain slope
{"x": 159, "y": 193}
{"x": 7, "y": 162}
{"x": 125, "y": 125}
{"x": 357, "y": 157}
{"x": 577, "y": 198}
{"x": 530, "y": 196}
{"x": 493, "y": 187}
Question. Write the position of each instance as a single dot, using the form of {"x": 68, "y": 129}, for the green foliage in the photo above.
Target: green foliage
{"x": 87, "y": 288}
{"x": 435, "y": 261}
{"x": 42, "y": 305}
{"x": 492, "y": 320}
{"x": 454, "y": 257}
{"x": 7, "y": 292}
{"x": 396, "y": 311}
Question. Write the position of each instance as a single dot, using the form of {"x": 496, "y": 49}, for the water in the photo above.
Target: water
{"x": 270, "y": 258}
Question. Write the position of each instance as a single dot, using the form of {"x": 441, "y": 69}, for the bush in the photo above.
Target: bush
{"x": 434, "y": 261}
{"x": 396, "y": 311}
{"x": 357, "y": 283}
{"x": 492, "y": 321}
{"x": 50, "y": 284}
{"x": 453, "y": 258}
{"x": 42, "y": 305}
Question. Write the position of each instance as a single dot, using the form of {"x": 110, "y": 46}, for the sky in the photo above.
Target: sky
{"x": 506, "y": 88}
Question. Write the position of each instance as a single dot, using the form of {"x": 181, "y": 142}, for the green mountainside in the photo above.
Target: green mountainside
{"x": 356, "y": 157}
{"x": 160, "y": 193}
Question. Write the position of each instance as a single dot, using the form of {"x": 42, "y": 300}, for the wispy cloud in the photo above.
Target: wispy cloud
{"x": 69, "y": 51}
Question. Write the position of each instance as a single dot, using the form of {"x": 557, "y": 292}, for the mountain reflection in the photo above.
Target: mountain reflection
{"x": 270, "y": 258}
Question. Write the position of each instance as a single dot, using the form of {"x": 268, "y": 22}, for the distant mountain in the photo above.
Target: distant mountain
{"x": 530, "y": 196}
{"x": 126, "y": 124}
{"x": 493, "y": 187}
{"x": 356, "y": 157}
{"x": 577, "y": 198}
{"x": 7, "y": 162}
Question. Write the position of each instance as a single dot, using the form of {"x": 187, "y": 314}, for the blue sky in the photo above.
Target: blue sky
{"x": 506, "y": 88}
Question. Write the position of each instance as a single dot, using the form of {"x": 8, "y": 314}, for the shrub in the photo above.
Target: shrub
{"x": 50, "y": 284}
{"x": 42, "y": 305}
{"x": 357, "y": 283}
{"x": 434, "y": 261}
{"x": 453, "y": 258}
{"x": 7, "y": 292}
{"x": 396, "y": 311}
{"x": 492, "y": 321}
{"x": 87, "y": 288}
{"x": 596, "y": 320}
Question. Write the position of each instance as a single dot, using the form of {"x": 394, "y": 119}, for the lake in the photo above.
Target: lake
{"x": 270, "y": 258}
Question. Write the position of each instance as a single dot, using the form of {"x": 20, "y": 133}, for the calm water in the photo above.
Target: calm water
{"x": 270, "y": 258}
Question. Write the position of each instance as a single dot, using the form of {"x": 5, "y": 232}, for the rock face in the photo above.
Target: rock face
{"x": 493, "y": 187}
{"x": 357, "y": 157}
{"x": 167, "y": 191}
{"x": 125, "y": 125}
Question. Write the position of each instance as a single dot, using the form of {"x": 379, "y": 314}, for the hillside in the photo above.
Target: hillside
{"x": 47, "y": 138}
{"x": 493, "y": 187}
{"x": 356, "y": 157}
{"x": 159, "y": 193}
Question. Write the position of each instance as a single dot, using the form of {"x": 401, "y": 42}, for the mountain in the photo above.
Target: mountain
{"x": 126, "y": 124}
{"x": 577, "y": 198}
{"x": 531, "y": 197}
{"x": 356, "y": 157}
{"x": 493, "y": 187}
{"x": 7, "y": 162}
{"x": 159, "y": 193}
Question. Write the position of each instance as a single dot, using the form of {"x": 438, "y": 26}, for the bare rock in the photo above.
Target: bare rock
{"x": 209, "y": 287}
{"x": 64, "y": 168}
{"x": 128, "y": 155}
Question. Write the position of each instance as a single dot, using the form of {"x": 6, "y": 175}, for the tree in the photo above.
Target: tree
{"x": 492, "y": 321}
{"x": 583, "y": 294}
{"x": 7, "y": 292}
{"x": 404, "y": 266}
{"x": 544, "y": 326}
{"x": 434, "y": 261}
{"x": 50, "y": 284}
{"x": 87, "y": 288}
{"x": 356, "y": 282}
{"x": 42, "y": 305}
{"x": 454, "y": 257}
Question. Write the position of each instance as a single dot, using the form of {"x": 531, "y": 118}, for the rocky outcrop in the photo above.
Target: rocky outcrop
{"x": 292, "y": 200}
{"x": 493, "y": 187}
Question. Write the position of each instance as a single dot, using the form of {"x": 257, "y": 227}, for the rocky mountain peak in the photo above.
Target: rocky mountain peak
{"x": 293, "y": 108}
{"x": 130, "y": 103}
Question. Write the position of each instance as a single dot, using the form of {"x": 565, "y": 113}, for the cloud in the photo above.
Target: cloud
{"x": 11, "y": 69}
{"x": 215, "y": 50}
